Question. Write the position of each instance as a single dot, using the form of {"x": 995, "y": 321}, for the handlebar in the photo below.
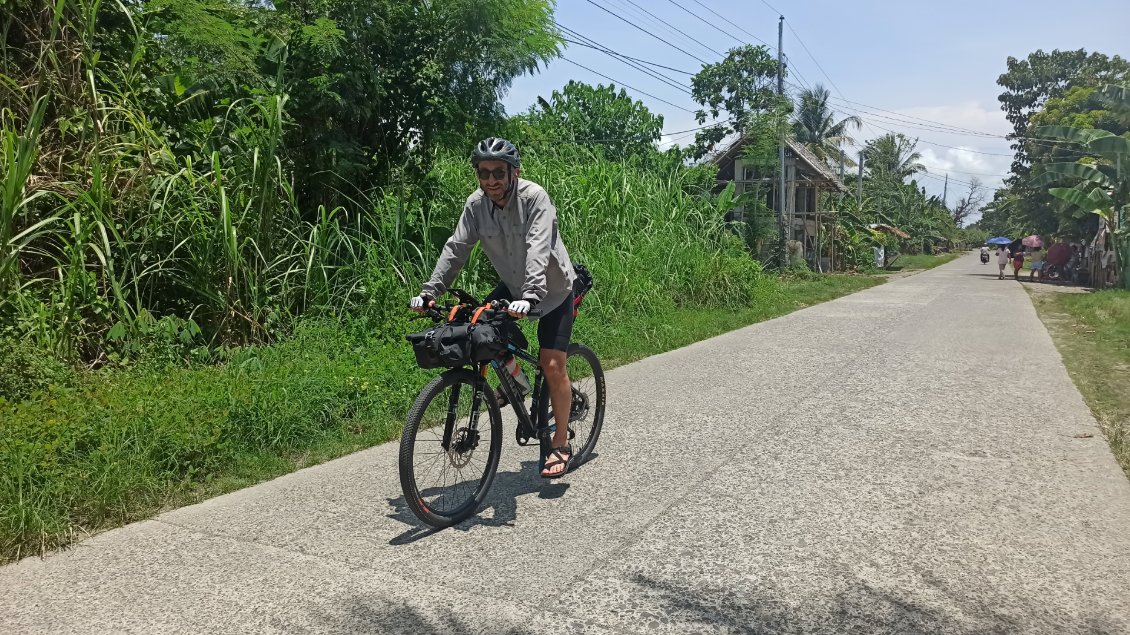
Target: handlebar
{"x": 496, "y": 311}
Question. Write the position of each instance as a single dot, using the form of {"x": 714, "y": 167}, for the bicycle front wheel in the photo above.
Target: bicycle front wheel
{"x": 448, "y": 458}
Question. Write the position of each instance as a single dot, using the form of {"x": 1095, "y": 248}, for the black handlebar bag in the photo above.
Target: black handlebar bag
{"x": 456, "y": 344}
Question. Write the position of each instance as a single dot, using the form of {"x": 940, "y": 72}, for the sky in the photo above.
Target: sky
{"x": 918, "y": 68}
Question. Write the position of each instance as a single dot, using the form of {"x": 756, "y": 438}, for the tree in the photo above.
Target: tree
{"x": 1101, "y": 179}
{"x": 378, "y": 85}
{"x": 998, "y": 218}
{"x": 893, "y": 156}
{"x": 814, "y": 124}
{"x": 1031, "y": 82}
{"x": 210, "y": 42}
{"x": 970, "y": 203}
{"x": 614, "y": 122}
{"x": 742, "y": 85}
{"x": 1051, "y": 89}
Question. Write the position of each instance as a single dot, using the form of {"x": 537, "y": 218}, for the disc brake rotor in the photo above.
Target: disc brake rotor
{"x": 464, "y": 448}
{"x": 580, "y": 407}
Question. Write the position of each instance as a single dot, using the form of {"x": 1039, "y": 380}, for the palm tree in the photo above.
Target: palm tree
{"x": 814, "y": 127}
{"x": 893, "y": 155}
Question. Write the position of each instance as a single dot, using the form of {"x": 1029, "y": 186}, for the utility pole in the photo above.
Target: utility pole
{"x": 781, "y": 252}
{"x": 945, "y": 192}
{"x": 859, "y": 182}
{"x": 843, "y": 159}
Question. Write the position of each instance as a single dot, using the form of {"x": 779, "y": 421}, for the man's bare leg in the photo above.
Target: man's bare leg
{"x": 561, "y": 398}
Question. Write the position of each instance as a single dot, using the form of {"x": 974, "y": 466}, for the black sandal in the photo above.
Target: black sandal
{"x": 559, "y": 455}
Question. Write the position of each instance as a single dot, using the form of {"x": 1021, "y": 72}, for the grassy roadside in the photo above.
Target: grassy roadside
{"x": 917, "y": 262}
{"x": 1092, "y": 333}
{"x": 121, "y": 446}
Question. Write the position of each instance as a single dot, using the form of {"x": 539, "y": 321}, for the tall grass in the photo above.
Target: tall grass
{"x": 174, "y": 257}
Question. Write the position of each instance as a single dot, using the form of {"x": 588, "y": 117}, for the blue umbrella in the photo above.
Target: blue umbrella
{"x": 999, "y": 240}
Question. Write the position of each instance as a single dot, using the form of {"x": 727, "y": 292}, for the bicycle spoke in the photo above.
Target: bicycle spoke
{"x": 444, "y": 486}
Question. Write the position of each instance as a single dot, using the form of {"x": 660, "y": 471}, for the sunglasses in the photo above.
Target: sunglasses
{"x": 497, "y": 173}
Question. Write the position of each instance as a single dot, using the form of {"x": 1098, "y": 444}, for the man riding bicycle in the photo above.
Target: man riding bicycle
{"x": 516, "y": 224}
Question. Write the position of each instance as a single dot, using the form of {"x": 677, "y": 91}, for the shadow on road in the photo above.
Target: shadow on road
{"x": 859, "y": 609}
{"x": 749, "y": 609}
{"x": 502, "y": 500}
{"x": 369, "y": 617}
{"x": 990, "y": 274}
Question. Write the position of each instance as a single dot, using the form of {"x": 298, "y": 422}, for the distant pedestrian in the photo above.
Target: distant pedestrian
{"x": 1017, "y": 263}
{"x": 1002, "y": 260}
{"x": 1036, "y": 264}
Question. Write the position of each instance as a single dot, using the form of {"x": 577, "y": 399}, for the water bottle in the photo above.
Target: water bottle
{"x": 519, "y": 375}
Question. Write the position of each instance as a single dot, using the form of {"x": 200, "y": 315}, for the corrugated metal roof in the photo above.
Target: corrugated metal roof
{"x": 802, "y": 153}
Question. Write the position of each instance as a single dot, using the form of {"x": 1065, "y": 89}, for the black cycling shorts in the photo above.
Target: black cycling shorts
{"x": 555, "y": 327}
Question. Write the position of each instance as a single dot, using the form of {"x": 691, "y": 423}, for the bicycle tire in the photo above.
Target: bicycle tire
{"x": 587, "y": 418}
{"x": 431, "y": 513}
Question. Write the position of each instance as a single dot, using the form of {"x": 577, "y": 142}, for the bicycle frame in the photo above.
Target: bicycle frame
{"x": 531, "y": 424}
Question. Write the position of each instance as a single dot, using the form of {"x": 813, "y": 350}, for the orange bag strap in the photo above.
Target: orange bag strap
{"x": 479, "y": 312}
{"x": 454, "y": 310}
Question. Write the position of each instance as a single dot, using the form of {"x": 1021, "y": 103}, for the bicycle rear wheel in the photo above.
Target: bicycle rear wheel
{"x": 586, "y": 413}
{"x": 446, "y": 463}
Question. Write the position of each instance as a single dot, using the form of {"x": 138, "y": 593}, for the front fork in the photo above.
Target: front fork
{"x": 449, "y": 426}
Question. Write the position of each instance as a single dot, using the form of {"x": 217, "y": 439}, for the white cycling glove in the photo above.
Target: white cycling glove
{"x": 519, "y": 307}
{"x": 419, "y": 303}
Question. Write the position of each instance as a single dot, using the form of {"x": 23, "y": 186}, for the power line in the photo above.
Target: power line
{"x": 922, "y": 119}
{"x": 708, "y": 23}
{"x": 870, "y": 116}
{"x": 727, "y": 33}
{"x": 955, "y": 180}
{"x": 800, "y": 77}
{"x": 934, "y": 126}
{"x": 642, "y": 16}
{"x": 992, "y": 154}
{"x": 911, "y": 120}
{"x": 607, "y": 51}
{"x": 735, "y": 25}
{"x": 813, "y": 58}
{"x": 627, "y": 86}
{"x": 771, "y": 7}
{"x": 868, "y": 122}
{"x": 634, "y": 25}
{"x": 986, "y": 174}
{"x": 709, "y": 125}
{"x": 693, "y": 39}
{"x": 600, "y": 47}
{"x": 910, "y": 123}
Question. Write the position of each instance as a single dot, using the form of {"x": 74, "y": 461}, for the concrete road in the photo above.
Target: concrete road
{"x": 883, "y": 463}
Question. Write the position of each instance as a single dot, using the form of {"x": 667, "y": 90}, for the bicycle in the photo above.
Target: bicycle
{"x": 449, "y": 438}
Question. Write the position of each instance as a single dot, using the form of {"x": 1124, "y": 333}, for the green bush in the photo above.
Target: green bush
{"x": 25, "y": 371}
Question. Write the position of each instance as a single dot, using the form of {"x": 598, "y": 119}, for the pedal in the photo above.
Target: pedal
{"x": 520, "y": 438}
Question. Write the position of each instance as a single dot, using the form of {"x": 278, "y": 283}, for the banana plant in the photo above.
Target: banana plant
{"x": 1101, "y": 184}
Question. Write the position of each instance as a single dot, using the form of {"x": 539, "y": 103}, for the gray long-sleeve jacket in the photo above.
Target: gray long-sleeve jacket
{"x": 521, "y": 241}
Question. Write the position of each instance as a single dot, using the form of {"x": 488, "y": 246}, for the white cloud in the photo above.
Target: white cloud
{"x": 962, "y": 154}
{"x": 964, "y": 163}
